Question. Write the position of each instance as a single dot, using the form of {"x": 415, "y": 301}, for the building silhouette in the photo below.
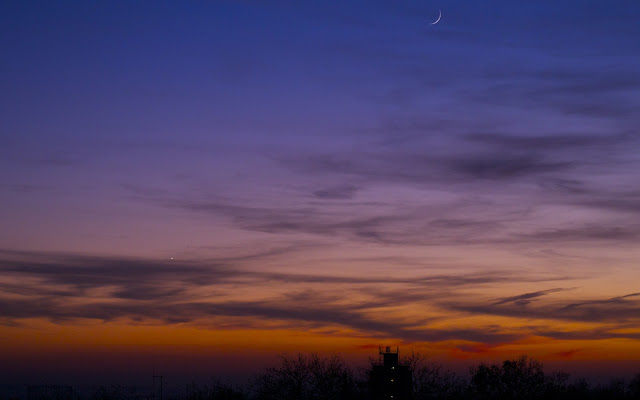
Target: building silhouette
{"x": 389, "y": 379}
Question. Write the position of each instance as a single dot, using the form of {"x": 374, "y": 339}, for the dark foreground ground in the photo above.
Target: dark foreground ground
{"x": 312, "y": 377}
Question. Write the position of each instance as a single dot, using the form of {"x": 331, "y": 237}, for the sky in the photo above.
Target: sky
{"x": 196, "y": 187}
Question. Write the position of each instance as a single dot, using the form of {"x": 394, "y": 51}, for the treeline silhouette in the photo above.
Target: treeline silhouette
{"x": 314, "y": 377}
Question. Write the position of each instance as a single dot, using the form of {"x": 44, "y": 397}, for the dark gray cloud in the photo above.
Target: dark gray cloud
{"x": 306, "y": 219}
{"x": 476, "y": 220}
{"x": 585, "y": 334}
{"x": 303, "y": 315}
{"x": 555, "y": 142}
{"x": 618, "y": 310}
{"x": 83, "y": 273}
{"x": 336, "y": 192}
{"x": 619, "y": 300}
{"x": 502, "y": 167}
{"x": 621, "y": 202}
{"x": 69, "y": 275}
{"x": 619, "y": 197}
{"x": 62, "y": 287}
{"x": 620, "y": 234}
{"x": 593, "y": 91}
{"x": 428, "y": 168}
{"x": 524, "y": 299}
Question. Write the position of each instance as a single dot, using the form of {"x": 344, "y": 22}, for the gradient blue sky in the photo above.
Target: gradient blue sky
{"x": 298, "y": 169}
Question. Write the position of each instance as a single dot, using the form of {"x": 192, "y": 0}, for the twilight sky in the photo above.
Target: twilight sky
{"x": 179, "y": 182}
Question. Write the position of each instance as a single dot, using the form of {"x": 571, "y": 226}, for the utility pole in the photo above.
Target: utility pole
{"x": 155, "y": 396}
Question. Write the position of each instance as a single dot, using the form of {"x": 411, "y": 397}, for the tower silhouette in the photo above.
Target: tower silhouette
{"x": 390, "y": 379}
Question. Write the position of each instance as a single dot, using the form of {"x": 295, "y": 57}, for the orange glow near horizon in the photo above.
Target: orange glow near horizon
{"x": 108, "y": 345}
{"x": 102, "y": 310}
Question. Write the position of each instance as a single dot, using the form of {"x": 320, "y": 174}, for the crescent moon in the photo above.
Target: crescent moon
{"x": 439, "y": 16}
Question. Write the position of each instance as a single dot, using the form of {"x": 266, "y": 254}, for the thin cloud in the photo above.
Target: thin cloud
{"x": 618, "y": 310}
{"x": 555, "y": 143}
{"x": 501, "y": 167}
{"x": 586, "y": 233}
{"x": 188, "y": 292}
{"x": 337, "y": 192}
{"x": 567, "y": 354}
{"x": 524, "y": 299}
{"x": 427, "y": 168}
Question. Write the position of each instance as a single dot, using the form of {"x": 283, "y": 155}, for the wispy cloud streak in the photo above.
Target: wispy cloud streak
{"x": 63, "y": 287}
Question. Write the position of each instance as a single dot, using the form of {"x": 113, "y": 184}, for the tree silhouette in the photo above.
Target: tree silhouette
{"x": 431, "y": 381}
{"x": 312, "y": 377}
{"x": 522, "y": 378}
{"x": 304, "y": 377}
{"x": 634, "y": 387}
